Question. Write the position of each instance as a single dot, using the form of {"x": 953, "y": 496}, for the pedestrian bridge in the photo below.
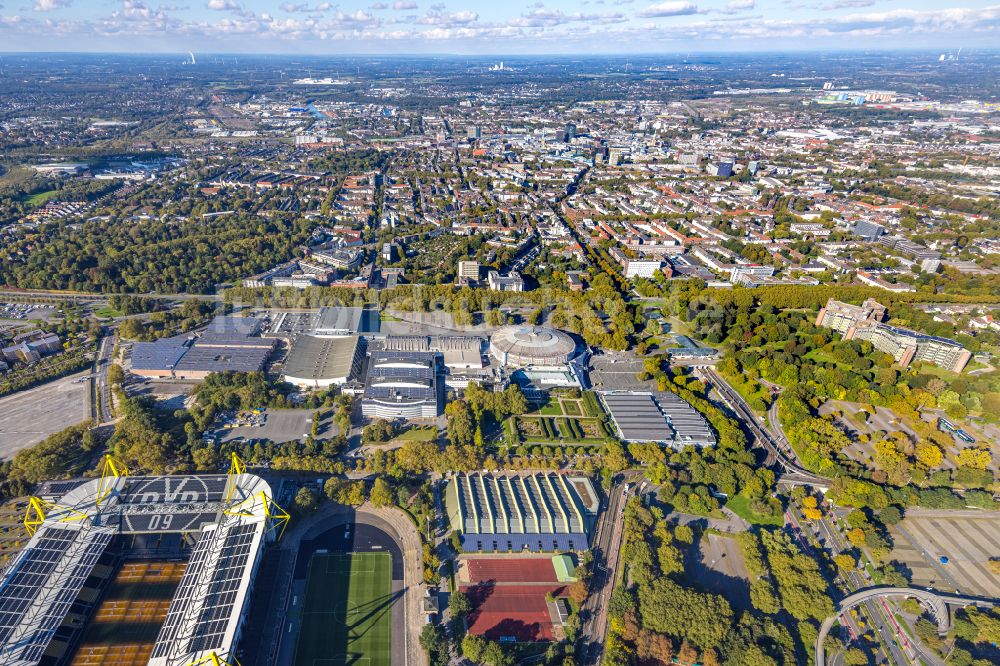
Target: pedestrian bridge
{"x": 934, "y": 602}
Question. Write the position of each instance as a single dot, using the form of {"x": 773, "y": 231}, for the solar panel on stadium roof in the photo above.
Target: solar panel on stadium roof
{"x": 37, "y": 591}
{"x": 200, "y": 623}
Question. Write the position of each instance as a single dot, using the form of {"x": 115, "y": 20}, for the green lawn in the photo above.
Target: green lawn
{"x": 107, "y": 312}
{"x": 572, "y": 407}
{"x": 346, "y": 617}
{"x": 551, "y": 408}
{"x": 41, "y": 198}
{"x": 418, "y": 435}
{"x": 741, "y": 507}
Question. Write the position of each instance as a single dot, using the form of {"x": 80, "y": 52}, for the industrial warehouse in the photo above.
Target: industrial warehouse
{"x": 318, "y": 363}
{"x": 663, "y": 418}
{"x": 513, "y": 513}
{"x": 230, "y": 344}
{"x": 118, "y": 530}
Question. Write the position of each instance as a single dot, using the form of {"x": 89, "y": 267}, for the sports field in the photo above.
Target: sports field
{"x": 346, "y": 617}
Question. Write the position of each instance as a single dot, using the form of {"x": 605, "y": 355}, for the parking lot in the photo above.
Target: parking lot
{"x": 282, "y": 425}
{"x": 610, "y": 371}
{"x": 968, "y": 539}
{"x": 28, "y": 417}
{"x": 18, "y": 311}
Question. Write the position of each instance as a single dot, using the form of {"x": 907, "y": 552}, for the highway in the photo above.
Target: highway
{"x": 777, "y": 448}
{"x": 101, "y": 410}
{"x": 780, "y": 453}
{"x": 937, "y": 602}
{"x": 605, "y": 549}
{"x": 93, "y": 296}
{"x": 855, "y": 581}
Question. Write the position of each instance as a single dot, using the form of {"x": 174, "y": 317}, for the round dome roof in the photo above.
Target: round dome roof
{"x": 531, "y": 344}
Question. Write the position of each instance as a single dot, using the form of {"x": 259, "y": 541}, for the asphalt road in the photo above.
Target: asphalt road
{"x": 102, "y": 411}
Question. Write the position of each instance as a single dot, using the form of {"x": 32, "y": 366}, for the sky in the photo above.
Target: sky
{"x": 493, "y": 27}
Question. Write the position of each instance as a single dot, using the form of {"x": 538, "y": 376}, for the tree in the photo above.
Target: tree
{"x": 205, "y": 458}
{"x": 929, "y": 455}
{"x": 459, "y": 604}
{"x": 494, "y": 655}
{"x": 305, "y": 500}
{"x": 844, "y": 561}
{"x": 381, "y": 494}
{"x": 461, "y": 429}
{"x": 473, "y": 648}
{"x": 115, "y": 374}
{"x": 668, "y": 608}
{"x": 379, "y": 431}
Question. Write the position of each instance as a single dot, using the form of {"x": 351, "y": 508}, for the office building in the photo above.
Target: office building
{"x": 511, "y": 282}
{"x": 641, "y": 268}
{"x": 868, "y": 230}
{"x": 468, "y": 271}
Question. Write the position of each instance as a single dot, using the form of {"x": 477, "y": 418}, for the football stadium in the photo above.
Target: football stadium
{"x": 137, "y": 570}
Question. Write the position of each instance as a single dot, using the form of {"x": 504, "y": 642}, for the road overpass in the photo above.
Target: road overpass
{"x": 936, "y": 603}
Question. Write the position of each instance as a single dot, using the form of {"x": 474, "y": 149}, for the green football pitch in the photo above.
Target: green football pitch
{"x": 346, "y": 617}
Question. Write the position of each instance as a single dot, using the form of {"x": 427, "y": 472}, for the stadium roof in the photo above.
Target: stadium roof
{"x": 486, "y": 503}
{"x": 44, "y": 579}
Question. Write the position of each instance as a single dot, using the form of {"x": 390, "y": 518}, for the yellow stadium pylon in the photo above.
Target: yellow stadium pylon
{"x": 275, "y": 514}
{"x": 236, "y": 469}
{"x": 39, "y": 509}
{"x": 111, "y": 471}
{"x": 215, "y": 660}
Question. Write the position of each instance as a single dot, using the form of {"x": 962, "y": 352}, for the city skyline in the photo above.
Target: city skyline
{"x": 555, "y": 27}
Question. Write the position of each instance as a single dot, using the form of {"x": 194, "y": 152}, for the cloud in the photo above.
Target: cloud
{"x": 224, "y": 5}
{"x": 669, "y": 8}
{"x": 463, "y": 17}
{"x": 379, "y": 5}
{"x": 552, "y": 17}
{"x": 403, "y": 5}
{"x": 50, "y": 5}
{"x": 740, "y": 5}
{"x": 304, "y": 8}
{"x": 848, "y": 4}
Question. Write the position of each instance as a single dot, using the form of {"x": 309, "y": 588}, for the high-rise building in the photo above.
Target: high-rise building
{"x": 468, "y": 271}
{"x": 864, "y": 322}
{"x": 474, "y": 132}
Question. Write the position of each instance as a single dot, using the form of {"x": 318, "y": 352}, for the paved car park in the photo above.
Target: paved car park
{"x": 611, "y": 370}
{"x": 283, "y": 425}
{"x": 967, "y": 539}
{"x": 28, "y": 417}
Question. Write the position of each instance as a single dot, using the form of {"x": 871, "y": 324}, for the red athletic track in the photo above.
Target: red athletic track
{"x": 511, "y": 610}
{"x": 521, "y": 570}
